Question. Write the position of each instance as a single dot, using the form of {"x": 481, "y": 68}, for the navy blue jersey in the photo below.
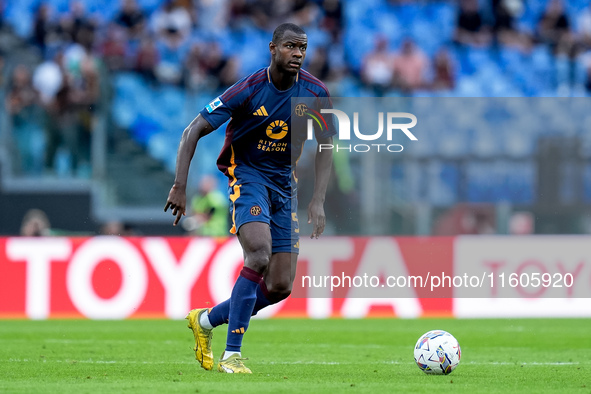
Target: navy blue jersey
{"x": 260, "y": 145}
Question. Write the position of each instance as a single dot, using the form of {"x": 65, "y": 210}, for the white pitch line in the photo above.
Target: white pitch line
{"x": 311, "y": 362}
{"x": 109, "y": 341}
{"x": 524, "y": 363}
{"x": 169, "y": 342}
{"x": 306, "y": 363}
{"x": 17, "y": 360}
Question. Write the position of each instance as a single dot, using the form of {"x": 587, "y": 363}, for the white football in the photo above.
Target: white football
{"x": 437, "y": 352}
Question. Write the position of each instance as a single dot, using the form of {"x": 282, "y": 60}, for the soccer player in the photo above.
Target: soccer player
{"x": 258, "y": 157}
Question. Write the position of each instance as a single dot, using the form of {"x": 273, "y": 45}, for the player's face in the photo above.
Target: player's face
{"x": 289, "y": 54}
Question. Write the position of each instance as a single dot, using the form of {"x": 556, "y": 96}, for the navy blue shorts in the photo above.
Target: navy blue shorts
{"x": 255, "y": 202}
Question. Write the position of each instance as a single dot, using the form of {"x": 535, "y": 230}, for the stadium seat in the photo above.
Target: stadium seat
{"x": 363, "y": 40}
{"x": 159, "y": 146}
{"x": 443, "y": 14}
{"x": 422, "y": 33}
{"x": 468, "y": 87}
{"x": 19, "y": 18}
{"x": 123, "y": 111}
{"x": 149, "y": 5}
{"x": 143, "y": 128}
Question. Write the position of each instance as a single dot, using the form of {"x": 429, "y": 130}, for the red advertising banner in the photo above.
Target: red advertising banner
{"x": 525, "y": 276}
{"x": 116, "y": 278}
{"x": 351, "y": 277}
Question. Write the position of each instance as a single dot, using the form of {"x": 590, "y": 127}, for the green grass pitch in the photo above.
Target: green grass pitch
{"x": 292, "y": 355}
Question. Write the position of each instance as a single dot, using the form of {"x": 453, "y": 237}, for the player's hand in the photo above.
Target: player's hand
{"x": 316, "y": 217}
{"x": 177, "y": 201}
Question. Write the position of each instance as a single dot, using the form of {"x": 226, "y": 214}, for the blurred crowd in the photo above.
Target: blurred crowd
{"x": 52, "y": 94}
{"x": 568, "y": 40}
{"x": 494, "y": 25}
{"x": 206, "y": 45}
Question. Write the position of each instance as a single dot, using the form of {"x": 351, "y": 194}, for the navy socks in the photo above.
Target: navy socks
{"x": 262, "y": 297}
{"x": 220, "y": 313}
{"x": 242, "y": 302}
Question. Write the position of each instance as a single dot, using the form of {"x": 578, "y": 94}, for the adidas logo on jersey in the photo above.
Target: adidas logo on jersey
{"x": 261, "y": 112}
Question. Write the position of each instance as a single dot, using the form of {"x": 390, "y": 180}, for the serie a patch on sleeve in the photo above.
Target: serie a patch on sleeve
{"x": 213, "y": 105}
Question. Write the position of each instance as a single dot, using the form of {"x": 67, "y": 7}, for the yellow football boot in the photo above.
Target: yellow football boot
{"x": 233, "y": 364}
{"x": 203, "y": 336}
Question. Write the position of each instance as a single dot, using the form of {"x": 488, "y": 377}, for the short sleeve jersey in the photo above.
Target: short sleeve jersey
{"x": 260, "y": 145}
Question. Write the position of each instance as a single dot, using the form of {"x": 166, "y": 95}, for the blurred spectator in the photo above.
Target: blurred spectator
{"x": 172, "y": 23}
{"x": 84, "y": 99}
{"x": 117, "y": 228}
{"x": 304, "y": 13}
{"x": 554, "y": 29}
{"x": 21, "y": 94}
{"x": 169, "y": 69}
{"x": 280, "y": 10}
{"x": 35, "y": 224}
{"x": 504, "y": 29}
{"x": 131, "y": 19}
{"x": 60, "y": 126}
{"x": 79, "y": 17}
{"x": 147, "y": 58}
{"x": 49, "y": 81}
{"x": 209, "y": 210}
{"x": 2, "y": 10}
{"x": 205, "y": 66}
{"x": 44, "y": 28}
{"x": 466, "y": 219}
{"x": 333, "y": 18}
{"x": 470, "y": 27}
{"x": 335, "y": 59}
{"x": 22, "y": 106}
{"x": 70, "y": 96}
{"x": 444, "y": 77}
{"x": 224, "y": 70}
{"x": 584, "y": 27}
{"x": 319, "y": 65}
{"x": 113, "y": 49}
{"x": 586, "y": 64}
{"x": 2, "y": 64}
{"x": 113, "y": 227}
{"x": 410, "y": 67}
{"x": 76, "y": 26}
{"x": 377, "y": 69}
{"x": 239, "y": 10}
{"x": 194, "y": 76}
{"x": 521, "y": 223}
{"x": 213, "y": 15}
{"x": 259, "y": 13}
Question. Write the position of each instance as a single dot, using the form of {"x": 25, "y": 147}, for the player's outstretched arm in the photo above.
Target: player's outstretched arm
{"x": 177, "y": 197}
{"x": 322, "y": 167}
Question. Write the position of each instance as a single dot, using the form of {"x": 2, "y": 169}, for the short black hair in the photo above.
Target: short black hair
{"x": 282, "y": 28}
